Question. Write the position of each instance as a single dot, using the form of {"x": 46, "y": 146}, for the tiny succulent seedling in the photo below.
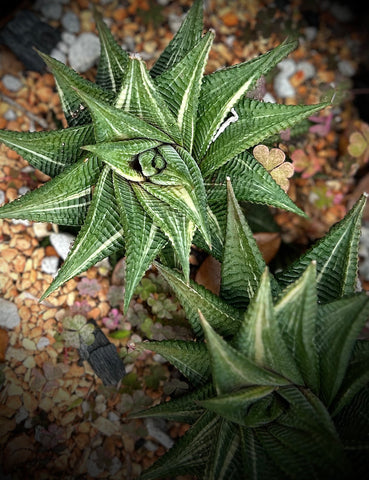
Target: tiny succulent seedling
{"x": 143, "y": 162}
{"x": 280, "y": 378}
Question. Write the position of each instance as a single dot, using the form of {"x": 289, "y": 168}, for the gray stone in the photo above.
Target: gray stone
{"x": 51, "y": 10}
{"x": 50, "y": 264}
{"x": 308, "y": 69}
{"x": 2, "y": 197}
{"x": 58, "y": 55}
{"x": 282, "y": 86}
{"x": 70, "y": 22}
{"x": 346, "y": 68}
{"x": 9, "y": 317}
{"x": 42, "y": 343}
{"x": 11, "y": 82}
{"x": 85, "y": 52}
{"x": 154, "y": 429}
{"x": 62, "y": 243}
{"x": 68, "y": 38}
{"x": 10, "y": 115}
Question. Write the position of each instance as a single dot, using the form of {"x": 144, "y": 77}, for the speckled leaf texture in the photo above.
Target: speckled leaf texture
{"x": 155, "y": 146}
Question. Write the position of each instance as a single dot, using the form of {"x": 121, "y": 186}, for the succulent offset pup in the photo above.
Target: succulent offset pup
{"x": 143, "y": 162}
{"x": 281, "y": 380}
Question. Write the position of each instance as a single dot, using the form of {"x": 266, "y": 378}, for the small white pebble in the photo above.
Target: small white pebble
{"x": 11, "y": 82}
{"x": 58, "y": 55}
{"x": 10, "y": 115}
{"x": 282, "y": 86}
{"x": 42, "y": 343}
{"x": 2, "y": 197}
{"x": 307, "y": 68}
{"x": 268, "y": 97}
{"x": 50, "y": 264}
{"x": 22, "y": 190}
{"x": 62, "y": 243}
{"x": 346, "y": 68}
{"x": 287, "y": 66}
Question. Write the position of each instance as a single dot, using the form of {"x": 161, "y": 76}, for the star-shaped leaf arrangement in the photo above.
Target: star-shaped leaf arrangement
{"x": 281, "y": 387}
{"x": 144, "y": 159}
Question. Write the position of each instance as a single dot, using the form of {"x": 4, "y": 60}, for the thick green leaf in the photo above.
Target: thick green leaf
{"x": 139, "y": 97}
{"x": 260, "y": 339}
{"x": 339, "y": 324}
{"x": 256, "y": 121}
{"x": 63, "y": 200}
{"x": 52, "y": 151}
{"x": 112, "y": 123}
{"x": 336, "y": 257}
{"x": 67, "y": 81}
{"x": 120, "y": 156}
{"x": 190, "y": 358}
{"x": 176, "y": 226}
{"x": 356, "y": 377}
{"x": 188, "y": 35}
{"x": 143, "y": 239}
{"x": 234, "y": 406}
{"x": 190, "y": 453}
{"x": 352, "y": 423}
{"x": 250, "y": 182}
{"x": 256, "y": 463}
{"x": 185, "y": 409}
{"x": 231, "y": 370}
{"x": 180, "y": 87}
{"x": 264, "y": 411}
{"x": 222, "y": 89}
{"x": 242, "y": 264}
{"x": 222, "y": 317}
{"x": 222, "y": 461}
{"x": 304, "y": 442}
{"x": 296, "y": 312}
{"x": 100, "y": 236}
{"x": 113, "y": 59}
{"x": 216, "y": 221}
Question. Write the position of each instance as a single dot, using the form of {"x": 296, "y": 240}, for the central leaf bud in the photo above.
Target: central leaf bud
{"x": 151, "y": 162}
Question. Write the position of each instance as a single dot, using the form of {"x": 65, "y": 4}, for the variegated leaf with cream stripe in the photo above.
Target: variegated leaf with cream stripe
{"x": 146, "y": 153}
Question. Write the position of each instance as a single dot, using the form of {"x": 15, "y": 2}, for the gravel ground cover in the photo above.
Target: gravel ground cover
{"x": 56, "y": 416}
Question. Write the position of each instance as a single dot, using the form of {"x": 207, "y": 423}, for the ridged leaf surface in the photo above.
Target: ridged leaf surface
{"x": 222, "y": 89}
{"x": 100, "y": 236}
{"x": 336, "y": 256}
{"x": 63, "y": 200}
{"x": 52, "y": 151}
{"x": 256, "y": 121}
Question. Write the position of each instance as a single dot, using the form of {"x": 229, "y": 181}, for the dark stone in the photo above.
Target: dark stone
{"x": 26, "y": 31}
{"x": 103, "y": 357}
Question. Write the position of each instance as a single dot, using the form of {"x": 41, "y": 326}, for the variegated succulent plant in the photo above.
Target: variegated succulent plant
{"x": 281, "y": 380}
{"x": 143, "y": 162}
